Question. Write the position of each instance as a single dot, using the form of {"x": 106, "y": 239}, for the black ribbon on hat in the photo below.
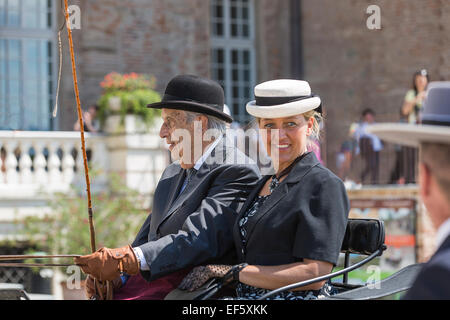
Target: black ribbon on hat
{"x": 273, "y": 101}
{"x": 436, "y": 119}
{"x": 436, "y": 123}
{"x": 169, "y": 97}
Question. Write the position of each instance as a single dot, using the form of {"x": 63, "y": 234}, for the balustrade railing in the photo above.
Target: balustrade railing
{"x": 31, "y": 160}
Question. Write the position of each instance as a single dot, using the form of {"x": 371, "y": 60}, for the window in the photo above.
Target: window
{"x": 233, "y": 52}
{"x": 27, "y": 66}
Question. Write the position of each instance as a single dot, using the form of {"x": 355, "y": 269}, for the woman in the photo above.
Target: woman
{"x": 292, "y": 225}
{"x": 410, "y": 113}
{"x": 414, "y": 98}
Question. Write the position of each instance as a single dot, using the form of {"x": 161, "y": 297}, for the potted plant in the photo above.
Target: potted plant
{"x": 118, "y": 214}
{"x": 124, "y": 100}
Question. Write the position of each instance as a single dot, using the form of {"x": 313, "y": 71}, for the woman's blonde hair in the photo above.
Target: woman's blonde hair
{"x": 318, "y": 118}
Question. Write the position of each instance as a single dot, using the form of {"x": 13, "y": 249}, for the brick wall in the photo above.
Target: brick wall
{"x": 159, "y": 37}
{"x": 272, "y": 39}
{"x": 163, "y": 38}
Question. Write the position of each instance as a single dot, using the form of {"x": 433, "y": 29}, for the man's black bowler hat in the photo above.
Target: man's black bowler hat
{"x": 195, "y": 94}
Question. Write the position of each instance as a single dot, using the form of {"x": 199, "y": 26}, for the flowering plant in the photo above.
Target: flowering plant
{"x": 128, "y": 82}
{"x": 134, "y": 91}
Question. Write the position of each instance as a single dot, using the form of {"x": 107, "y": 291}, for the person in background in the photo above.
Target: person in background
{"x": 369, "y": 146}
{"x": 90, "y": 121}
{"x": 345, "y": 155}
{"x": 410, "y": 113}
{"x": 415, "y": 96}
{"x": 398, "y": 173}
{"x": 90, "y": 124}
{"x": 432, "y": 138}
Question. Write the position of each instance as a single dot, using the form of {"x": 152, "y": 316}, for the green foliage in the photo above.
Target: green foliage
{"x": 117, "y": 213}
{"x": 135, "y": 91}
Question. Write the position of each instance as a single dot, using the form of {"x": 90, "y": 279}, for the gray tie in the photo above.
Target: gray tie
{"x": 189, "y": 174}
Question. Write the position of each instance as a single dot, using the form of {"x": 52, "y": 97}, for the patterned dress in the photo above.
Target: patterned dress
{"x": 246, "y": 292}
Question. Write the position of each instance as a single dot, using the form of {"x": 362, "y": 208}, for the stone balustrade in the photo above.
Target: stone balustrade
{"x": 36, "y": 160}
{"x": 36, "y": 164}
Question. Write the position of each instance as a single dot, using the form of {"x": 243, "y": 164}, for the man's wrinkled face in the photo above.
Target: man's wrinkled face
{"x": 179, "y": 135}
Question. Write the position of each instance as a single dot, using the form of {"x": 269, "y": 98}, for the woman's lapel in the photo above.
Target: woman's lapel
{"x": 252, "y": 196}
{"x": 176, "y": 184}
{"x": 279, "y": 193}
{"x": 294, "y": 177}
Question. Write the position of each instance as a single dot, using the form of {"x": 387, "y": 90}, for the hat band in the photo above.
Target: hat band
{"x": 168, "y": 97}
{"x": 436, "y": 119}
{"x": 436, "y": 123}
{"x": 273, "y": 101}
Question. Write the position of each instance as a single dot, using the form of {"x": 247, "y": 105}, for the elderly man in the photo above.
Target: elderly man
{"x": 433, "y": 139}
{"x": 195, "y": 203}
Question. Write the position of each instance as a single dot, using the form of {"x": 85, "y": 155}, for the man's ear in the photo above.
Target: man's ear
{"x": 424, "y": 179}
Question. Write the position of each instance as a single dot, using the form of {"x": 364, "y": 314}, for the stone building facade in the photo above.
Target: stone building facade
{"x": 326, "y": 42}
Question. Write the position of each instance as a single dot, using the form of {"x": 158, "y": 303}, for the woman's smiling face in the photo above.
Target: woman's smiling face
{"x": 285, "y": 139}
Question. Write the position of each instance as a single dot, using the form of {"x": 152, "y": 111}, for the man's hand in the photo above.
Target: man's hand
{"x": 101, "y": 292}
{"x": 107, "y": 264}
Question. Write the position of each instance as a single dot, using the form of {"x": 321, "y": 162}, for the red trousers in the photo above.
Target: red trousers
{"x": 137, "y": 288}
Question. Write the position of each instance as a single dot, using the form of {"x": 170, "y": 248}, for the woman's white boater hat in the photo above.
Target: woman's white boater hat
{"x": 435, "y": 121}
{"x": 282, "y": 98}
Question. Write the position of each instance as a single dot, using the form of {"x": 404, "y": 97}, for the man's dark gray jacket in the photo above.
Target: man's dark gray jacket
{"x": 432, "y": 281}
{"x": 195, "y": 227}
